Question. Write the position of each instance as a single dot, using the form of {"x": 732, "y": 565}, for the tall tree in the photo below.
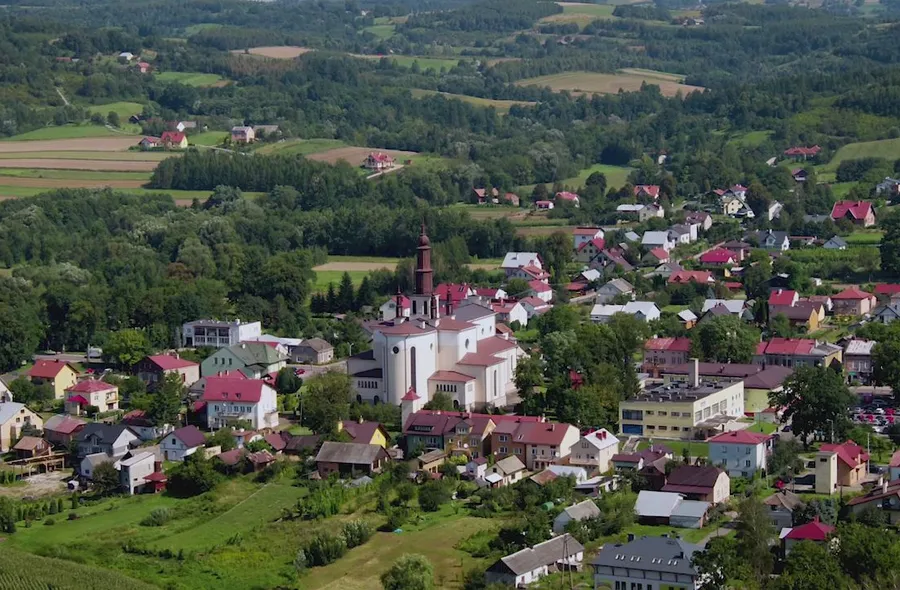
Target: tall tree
{"x": 886, "y": 363}
{"x": 724, "y": 339}
{"x": 127, "y": 347}
{"x": 810, "y": 566}
{"x": 813, "y": 398}
{"x": 326, "y": 401}
{"x": 345, "y": 299}
{"x": 365, "y": 296}
{"x": 409, "y": 572}
{"x": 165, "y": 407}
{"x": 754, "y": 532}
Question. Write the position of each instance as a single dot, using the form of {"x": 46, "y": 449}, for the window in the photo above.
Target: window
{"x": 517, "y": 451}
{"x": 663, "y": 427}
{"x": 396, "y": 350}
{"x": 650, "y": 412}
{"x": 585, "y": 445}
{"x": 632, "y": 415}
{"x": 664, "y": 414}
{"x": 504, "y": 438}
{"x": 747, "y": 463}
{"x": 503, "y": 450}
{"x": 748, "y": 451}
{"x": 676, "y": 414}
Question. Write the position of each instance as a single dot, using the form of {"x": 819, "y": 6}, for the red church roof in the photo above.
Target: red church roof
{"x": 410, "y": 396}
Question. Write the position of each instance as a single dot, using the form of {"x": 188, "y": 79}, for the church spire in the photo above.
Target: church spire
{"x": 424, "y": 273}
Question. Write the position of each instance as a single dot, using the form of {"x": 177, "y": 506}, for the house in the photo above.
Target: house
{"x": 16, "y": 420}
{"x": 857, "y": 212}
{"x": 463, "y": 430}
{"x": 253, "y": 359}
{"x": 547, "y": 205}
{"x": 513, "y": 262}
{"x": 667, "y": 508}
{"x": 538, "y": 444}
{"x": 243, "y": 134}
{"x": 92, "y": 392}
{"x": 858, "y": 360}
{"x": 815, "y": 531}
{"x": 232, "y": 399}
{"x": 835, "y": 243}
{"x": 389, "y": 308}
{"x": 782, "y": 505}
{"x": 718, "y": 257}
{"x": 534, "y": 306}
{"x": 646, "y": 191}
{"x": 853, "y": 301}
{"x": 243, "y": 437}
{"x": 845, "y": 464}
{"x": 134, "y": 470}
{"x": 740, "y": 249}
{"x": 476, "y": 468}
{"x": 59, "y": 430}
{"x": 682, "y": 233}
{"x": 594, "y": 451}
{"x": 888, "y": 188}
{"x": 783, "y": 297}
{"x": 740, "y": 453}
{"x": 702, "y": 277}
{"x": 802, "y": 153}
{"x": 656, "y": 256}
{"x": 347, "y": 459}
{"x": 589, "y": 250}
{"x": 661, "y": 562}
{"x": 702, "y": 483}
{"x": 126, "y": 55}
{"x": 365, "y": 432}
{"x": 143, "y": 426}
{"x": 567, "y": 197}
{"x": 540, "y": 289}
{"x": 153, "y": 369}
{"x": 182, "y": 442}
{"x": 612, "y": 289}
{"x": 687, "y": 318}
{"x": 642, "y": 310}
{"x": 218, "y": 334}
{"x": 452, "y": 295}
{"x": 757, "y": 388}
{"x": 510, "y": 311}
{"x": 113, "y": 440}
{"x": 799, "y": 174}
{"x": 796, "y": 352}
{"x": 431, "y": 461}
{"x": 29, "y": 447}
{"x": 314, "y": 351}
{"x": 150, "y": 143}
{"x": 660, "y": 353}
{"x": 805, "y": 315}
{"x": 699, "y": 218}
{"x": 885, "y": 314}
{"x": 577, "y": 512}
{"x": 884, "y": 498}
{"x": 730, "y": 204}
{"x": 590, "y": 275}
{"x": 378, "y": 161}
{"x": 185, "y": 125}
{"x": 504, "y": 472}
{"x": 174, "y": 139}
{"x": 611, "y": 259}
{"x": 511, "y": 199}
{"x": 533, "y": 563}
{"x": 60, "y": 375}
{"x": 583, "y": 235}
{"x": 666, "y": 270}
{"x": 771, "y": 240}
{"x": 657, "y": 239}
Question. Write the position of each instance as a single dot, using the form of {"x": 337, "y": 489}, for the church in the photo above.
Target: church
{"x": 418, "y": 353}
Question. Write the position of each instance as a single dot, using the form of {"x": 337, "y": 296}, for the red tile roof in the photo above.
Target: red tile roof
{"x": 811, "y": 531}
{"x": 782, "y": 297}
{"x": 688, "y": 479}
{"x": 136, "y": 418}
{"x": 534, "y": 433}
{"x": 566, "y": 196}
{"x": 852, "y": 293}
{"x": 849, "y": 452}
{"x": 91, "y": 386}
{"x": 168, "y": 362}
{"x": 173, "y": 136}
{"x": 380, "y": 157}
{"x": 221, "y": 389}
{"x": 855, "y": 209}
{"x": 231, "y": 457}
{"x": 539, "y": 286}
{"x": 450, "y": 376}
{"x": 786, "y": 346}
{"x": 886, "y": 289}
{"x": 78, "y": 399}
{"x": 660, "y": 254}
{"x": 537, "y": 273}
{"x": 802, "y": 151}
{"x": 67, "y": 425}
{"x": 650, "y": 189}
{"x": 740, "y": 437}
{"x": 410, "y": 396}
{"x": 674, "y": 344}
{"x": 48, "y": 369}
{"x": 190, "y": 436}
{"x": 157, "y": 476}
{"x": 478, "y": 359}
{"x": 493, "y": 345}
{"x": 687, "y": 276}
{"x": 454, "y": 325}
{"x": 718, "y": 256}
{"x": 598, "y": 243}
{"x": 453, "y": 292}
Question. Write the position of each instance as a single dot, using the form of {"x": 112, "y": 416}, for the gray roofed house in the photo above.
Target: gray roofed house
{"x": 836, "y": 243}
{"x": 771, "y": 240}
{"x": 347, "y": 458}
{"x": 313, "y": 350}
{"x": 687, "y": 316}
{"x": 113, "y": 439}
{"x": 690, "y": 514}
{"x": 581, "y": 511}
{"x": 89, "y": 463}
{"x": 650, "y": 558}
{"x": 782, "y": 506}
{"x": 504, "y": 472}
{"x": 613, "y": 289}
{"x": 254, "y": 359}
{"x": 472, "y": 311}
{"x": 652, "y": 507}
{"x": 657, "y": 239}
{"x": 529, "y": 565}
{"x": 632, "y": 236}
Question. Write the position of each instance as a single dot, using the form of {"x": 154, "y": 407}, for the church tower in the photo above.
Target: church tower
{"x": 425, "y": 304}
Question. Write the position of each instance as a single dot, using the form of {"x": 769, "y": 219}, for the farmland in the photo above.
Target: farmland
{"x": 580, "y": 13}
{"x": 889, "y": 149}
{"x": 596, "y": 83}
{"x": 502, "y": 106}
{"x": 616, "y": 176}
{"x": 275, "y": 52}
{"x": 123, "y": 109}
{"x": 207, "y": 138}
{"x": 21, "y": 571}
{"x": 64, "y": 132}
{"x": 407, "y": 61}
{"x": 356, "y": 155}
{"x": 197, "y": 79}
{"x": 301, "y": 147}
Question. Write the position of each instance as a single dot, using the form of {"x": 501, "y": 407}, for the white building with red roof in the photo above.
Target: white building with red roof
{"x": 231, "y": 399}
{"x": 739, "y": 452}
{"x": 647, "y": 191}
{"x": 840, "y": 465}
{"x": 583, "y": 235}
{"x": 796, "y": 352}
{"x": 412, "y": 357}
{"x": 378, "y": 161}
{"x": 452, "y": 294}
{"x": 540, "y": 289}
{"x": 815, "y": 531}
{"x": 568, "y": 197}
{"x": 92, "y": 392}
{"x": 718, "y": 257}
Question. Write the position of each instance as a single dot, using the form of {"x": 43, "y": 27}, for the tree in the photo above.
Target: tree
{"x": 890, "y": 244}
{"x": 440, "y": 401}
{"x": 517, "y": 288}
{"x": 886, "y": 364}
{"x": 345, "y": 299}
{"x": 409, "y": 572}
{"x": 598, "y": 181}
{"x": 365, "y": 296}
{"x": 810, "y": 566}
{"x": 893, "y": 433}
{"x": 754, "y": 531}
{"x": 433, "y": 494}
{"x": 127, "y": 347}
{"x": 326, "y": 401}
{"x": 719, "y": 563}
{"x": 724, "y": 339}
{"x": 287, "y": 381}
{"x": 814, "y": 399}
{"x": 867, "y": 553}
{"x": 224, "y": 438}
{"x": 193, "y": 476}
{"x": 19, "y": 336}
{"x": 785, "y": 461}
{"x": 165, "y": 407}
{"x": 780, "y": 326}
{"x": 113, "y": 119}
{"x": 105, "y": 478}
{"x": 7, "y": 515}
{"x": 528, "y": 377}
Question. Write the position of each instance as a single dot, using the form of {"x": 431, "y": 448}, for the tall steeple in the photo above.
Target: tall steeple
{"x": 424, "y": 273}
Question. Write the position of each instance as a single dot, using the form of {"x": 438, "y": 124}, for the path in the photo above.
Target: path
{"x": 721, "y": 530}
{"x": 63, "y": 96}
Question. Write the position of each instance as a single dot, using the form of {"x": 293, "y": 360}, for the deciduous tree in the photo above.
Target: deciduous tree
{"x": 409, "y": 572}
{"x": 813, "y": 398}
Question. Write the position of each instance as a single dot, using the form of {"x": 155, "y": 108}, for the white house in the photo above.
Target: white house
{"x": 581, "y": 511}
{"x": 613, "y": 289}
{"x": 739, "y": 452}
{"x": 182, "y": 442}
{"x": 134, "y": 470}
{"x": 657, "y": 239}
{"x": 534, "y": 306}
{"x": 229, "y": 399}
{"x": 510, "y": 311}
{"x": 595, "y": 451}
{"x": 531, "y": 564}
{"x": 583, "y": 235}
{"x": 643, "y": 310}
{"x": 389, "y": 308}
{"x": 513, "y": 261}
{"x": 218, "y": 334}
{"x": 541, "y": 290}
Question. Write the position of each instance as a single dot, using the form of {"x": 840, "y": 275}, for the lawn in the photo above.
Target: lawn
{"x": 889, "y": 149}
{"x": 387, "y": 261}
{"x": 502, "y": 106}
{"x": 301, "y": 146}
{"x": 385, "y": 31}
{"x": 123, "y": 109}
{"x": 865, "y": 237}
{"x": 64, "y": 132}
{"x": 597, "y": 83}
{"x": 763, "y": 428}
{"x": 697, "y": 449}
{"x": 749, "y": 139}
{"x": 616, "y": 176}
{"x": 208, "y": 138}
{"x": 324, "y": 277}
{"x": 190, "y": 78}
{"x": 579, "y": 13}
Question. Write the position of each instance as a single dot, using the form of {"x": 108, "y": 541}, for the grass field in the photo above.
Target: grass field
{"x": 301, "y": 146}
{"x": 406, "y": 61}
{"x": 889, "y": 149}
{"x": 870, "y": 237}
{"x": 579, "y": 13}
{"x": 749, "y": 139}
{"x": 123, "y": 109}
{"x": 72, "y": 174}
{"x": 597, "y": 83}
{"x": 697, "y": 449}
{"x": 64, "y": 132}
{"x": 384, "y": 31}
{"x": 502, "y": 106}
{"x": 209, "y": 138}
{"x": 326, "y": 277}
{"x": 276, "y": 51}
{"x": 22, "y": 571}
{"x": 86, "y": 155}
{"x": 191, "y": 78}
{"x": 616, "y": 176}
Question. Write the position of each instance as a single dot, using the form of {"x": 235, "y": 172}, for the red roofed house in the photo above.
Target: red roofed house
{"x": 691, "y": 276}
{"x": 59, "y": 374}
{"x": 796, "y": 352}
{"x": 853, "y": 301}
{"x": 661, "y": 353}
{"x": 857, "y": 212}
{"x": 887, "y": 291}
{"x": 452, "y": 294}
{"x": 537, "y": 444}
{"x": 718, "y": 257}
{"x": 511, "y": 199}
{"x": 92, "y": 392}
{"x": 510, "y": 311}
{"x": 533, "y": 306}
{"x": 365, "y": 432}
{"x": 706, "y": 483}
{"x": 433, "y": 429}
{"x": 844, "y": 464}
{"x": 180, "y": 443}
{"x": 229, "y": 399}
{"x": 541, "y": 290}
{"x": 174, "y": 139}
{"x": 884, "y": 498}
{"x": 647, "y": 190}
{"x": 583, "y": 235}
{"x": 656, "y": 256}
{"x": 143, "y": 67}
{"x": 481, "y": 196}
{"x": 389, "y": 309}
{"x": 802, "y": 153}
{"x": 378, "y": 161}
{"x": 740, "y": 453}
{"x": 589, "y": 250}
{"x": 59, "y": 430}
{"x": 153, "y": 369}
{"x": 149, "y": 142}
{"x": 568, "y": 197}
{"x": 543, "y": 205}
{"x": 787, "y": 297}
{"x": 815, "y": 531}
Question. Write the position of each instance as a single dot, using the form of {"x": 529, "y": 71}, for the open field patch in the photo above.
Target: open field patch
{"x": 64, "y": 132}
{"x": 363, "y": 266}
{"x": 616, "y": 176}
{"x": 385, "y": 31}
{"x": 653, "y": 74}
{"x": 597, "y": 83}
{"x": 580, "y": 13}
{"x": 55, "y": 183}
{"x": 197, "y": 79}
{"x": 302, "y": 147}
{"x": 123, "y": 109}
{"x": 207, "y": 138}
{"x": 274, "y": 51}
{"x": 22, "y": 571}
{"x": 135, "y": 156}
{"x": 502, "y": 106}
{"x": 889, "y": 149}
{"x": 357, "y": 155}
{"x": 75, "y": 144}
{"x": 61, "y": 164}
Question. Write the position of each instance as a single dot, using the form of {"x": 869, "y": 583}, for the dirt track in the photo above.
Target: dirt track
{"x": 356, "y": 155}
{"x": 59, "y": 164}
{"x": 87, "y": 144}
{"x": 51, "y": 183}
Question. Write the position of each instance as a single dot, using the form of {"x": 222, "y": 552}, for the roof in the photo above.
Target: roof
{"x": 566, "y": 196}
{"x": 361, "y": 431}
{"x": 860, "y": 347}
{"x": 849, "y": 452}
{"x": 233, "y": 389}
{"x": 620, "y": 285}
{"x": 106, "y": 433}
{"x": 63, "y": 424}
{"x": 317, "y": 344}
{"x": 539, "y": 286}
{"x": 673, "y": 344}
{"x": 275, "y": 440}
{"x": 587, "y": 231}
{"x": 691, "y": 509}
{"x": 349, "y": 453}
{"x": 452, "y": 376}
{"x": 854, "y": 209}
{"x": 137, "y": 458}
{"x": 811, "y": 531}
{"x": 853, "y": 293}
{"x": 453, "y": 292}
{"x": 771, "y": 377}
{"x": 78, "y": 399}
{"x": 687, "y": 276}
{"x": 655, "y": 237}
{"x": 380, "y": 157}
{"x": 91, "y": 386}
{"x": 658, "y": 554}
{"x": 786, "y": 346}
{"x": 782, "y": 297}
{"x": 534, "y": 433}
{"x": 656, "y": 504}
{"x": 261, "y": 457}
{"x": 167, "y": 362}
{"x": 231, "y": 457}
{"x": 514, "y": 260}
{"x": 48, "y": 369}
{"x": 583, "y": 510}
{"x": 601, "y": 439}
{"x": 511, "y": 464}
{"x": 692, "y": 479}
{"x": 784, "y": 499}
{"x": 659, "y": 253}
{"x": 629, "y": 208}
{"x": 410, "y": 395}
{"x": 28, "y": 443}
{"x": 740, "y": 437}
{"x": 650, "y": 189}
{"x": 173, "y": 136}
{"x": 300, "y": 442}
{"x": 473, "y": 311}
{"x": 836, "y": 241}
{"x": 802, "y": 311}
{"x": 190, "y": 436}
{"x": 886, "y": 289}
{"x": 477, "y": 359}
{"x": 802, "y": 151}
{"x": 256, "y": 353}
{"x": 542, "y": 554}
{"x": 687, "y": 315}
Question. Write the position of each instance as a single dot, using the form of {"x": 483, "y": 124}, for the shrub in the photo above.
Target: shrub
{"x": 397, "y": 517}
{"x": 158, "y": 517}
{"x": 324, "y": 549}
{"x": 73, "y": 516}
{"x": 432, "y": 495}
{"x": 356, "y": 533}
{"x": 300, "y": 561}
{"x": 49, "y": 522}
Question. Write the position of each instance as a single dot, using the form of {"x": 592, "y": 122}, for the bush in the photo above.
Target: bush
{"x": 73, "y": 516}
{"x": 300, "y": 561}
{"x": 356, "y": 533}
{"x": 325, "y": 549}
{"x": 397, "y": 517}
{"x": 158, "y": 517}
{"x": 49, "y": 522}
{"x": 432, "y": 495}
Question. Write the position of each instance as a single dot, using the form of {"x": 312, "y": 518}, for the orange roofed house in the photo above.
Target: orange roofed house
{"x": 537, "y": 444}
{"x": 662, "y": 353}
{"x": 58, "y": 374}
{"x": 378, "y": 161}
{"x": 844, "y": 465}
{"x": 853, "y": 301}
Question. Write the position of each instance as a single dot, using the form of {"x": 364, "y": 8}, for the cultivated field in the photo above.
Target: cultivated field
{"x": 55, "y": 183}
{"x": 580, "y": 13}
{"x": 65, "y": 132}
{"x": 59, "y": 164}
{"x": 197, "y": 79}
{"x": 596, "y": 83}
{"x": 502, "y": 106}
{"x": 276, "y": 51}
{"x": 84, "y": 144}
{"x": 302, "y": 147}
{"x": 357, "y": 155}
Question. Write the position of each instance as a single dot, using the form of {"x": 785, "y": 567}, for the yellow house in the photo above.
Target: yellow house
{"x": 59, "y": 374}
{"x": 367, "y": 433}
{"x": 14, "y": 419}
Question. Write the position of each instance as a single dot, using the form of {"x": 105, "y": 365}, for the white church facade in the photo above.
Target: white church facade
{"x": 414, "y": 357}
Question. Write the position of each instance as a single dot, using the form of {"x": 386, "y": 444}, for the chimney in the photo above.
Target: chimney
{"x": 884, "y": 485}
{"x": 694, "y": 373}
{"x": 630, "y": 537}
{"x": 157, "y": 466}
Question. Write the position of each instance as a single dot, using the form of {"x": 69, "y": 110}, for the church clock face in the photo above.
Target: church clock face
{"x": 396, "y": 350}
